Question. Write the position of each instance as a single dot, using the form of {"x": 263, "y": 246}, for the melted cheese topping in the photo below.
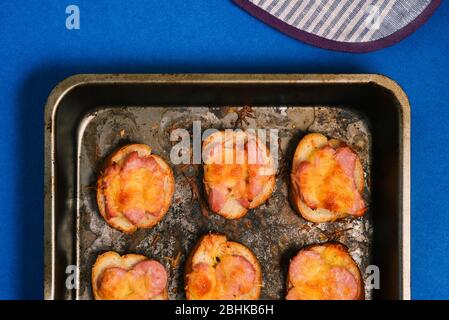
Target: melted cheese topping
{"x": 323, "y": 273}
{"x": 114, "y": 287}
{"x": 228, "y": 171}
{"x": 134, "y": 190}
{"x": 222, "y": 269}
{"x": 202, "y": 281}
{"x": 140, "y": 188}
{"x": 232, "y": 277}
{"x": 227, "y": 174}
{"x": 145, "y": 281}
{"x": 236, "y": 276}
{"x": 324, "y": 183}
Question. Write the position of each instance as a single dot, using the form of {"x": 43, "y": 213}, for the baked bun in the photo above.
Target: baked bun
{"x": 218, "y": 269}
{"x": 128, "y": 277}
{"x": 327, "y": 180}
{"x": 239, "y": 172}
{"x": 324, "y": 272}
{"x": 135, "y": 189}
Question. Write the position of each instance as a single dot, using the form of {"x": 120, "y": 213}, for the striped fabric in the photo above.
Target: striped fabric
{"x": 349, "y": 21}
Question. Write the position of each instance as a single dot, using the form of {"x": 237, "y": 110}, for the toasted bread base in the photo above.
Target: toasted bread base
{"x": 112, "y": 259}
{"x": 351, "y": 265}
{"x": 215, "y": 245}
{"x": 305, "y": 148}
{"x": 122, "y": 223}
{"x": 232, "y": 209}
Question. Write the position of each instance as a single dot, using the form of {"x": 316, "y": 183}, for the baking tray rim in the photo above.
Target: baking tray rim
{"x": 65, "y": 86}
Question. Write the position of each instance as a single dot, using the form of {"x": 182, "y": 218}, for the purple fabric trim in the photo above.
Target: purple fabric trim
{"x": 360, "y": 47}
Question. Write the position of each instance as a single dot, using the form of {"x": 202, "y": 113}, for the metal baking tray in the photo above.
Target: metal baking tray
{"x": 88, "y": 116}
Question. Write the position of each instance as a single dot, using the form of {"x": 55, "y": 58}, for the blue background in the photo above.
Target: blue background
{"x": 37, "y": 51}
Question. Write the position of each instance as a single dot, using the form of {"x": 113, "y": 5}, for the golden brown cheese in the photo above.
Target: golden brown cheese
{"x": 218, "y": 269}
{"x": 135, "y": 189}
{"x": 128, "y": 277}
{"x": 324, "y": 272}
{"x": 237, "y": 176}
{"x": 327, "y": 182}
{"x": 202, "y": 282}
{"x": 138, "y": 189}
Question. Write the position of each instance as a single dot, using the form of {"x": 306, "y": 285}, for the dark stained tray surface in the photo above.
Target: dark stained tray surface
{"x": 148, "y": 112}
{"x": 273, "y": 231}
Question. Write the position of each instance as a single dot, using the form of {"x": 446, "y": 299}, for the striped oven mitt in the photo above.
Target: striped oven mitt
{"x": 345, "y": 25}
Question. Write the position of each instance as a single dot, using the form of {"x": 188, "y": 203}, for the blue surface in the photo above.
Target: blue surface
{"x": 37, "y": 51}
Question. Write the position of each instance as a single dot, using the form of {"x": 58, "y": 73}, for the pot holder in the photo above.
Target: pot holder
{"x": 344, "y": 25}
